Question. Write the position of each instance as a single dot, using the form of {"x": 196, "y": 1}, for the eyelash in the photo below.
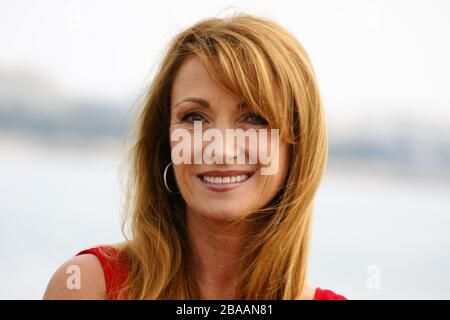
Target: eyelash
{"x": 263, "y": 122}
{"x": 187, "y": 117}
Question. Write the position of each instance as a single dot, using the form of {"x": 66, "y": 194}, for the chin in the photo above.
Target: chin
{"x": 223, "y": 210}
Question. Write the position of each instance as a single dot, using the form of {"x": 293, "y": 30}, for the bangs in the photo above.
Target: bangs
{"x": 243, "y": 67}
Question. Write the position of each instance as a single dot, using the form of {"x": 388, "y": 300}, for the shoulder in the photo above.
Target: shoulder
{"x": 81, "y": 277}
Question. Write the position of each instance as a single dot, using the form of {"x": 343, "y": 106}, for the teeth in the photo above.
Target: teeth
{"x": 231, "y": 179}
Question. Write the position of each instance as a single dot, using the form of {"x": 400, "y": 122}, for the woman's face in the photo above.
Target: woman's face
{"x": 220, "y": 191}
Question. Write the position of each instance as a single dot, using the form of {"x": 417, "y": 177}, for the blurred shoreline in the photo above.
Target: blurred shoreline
{"x": 13, "y": 141}
{"x": 117, "y": 148}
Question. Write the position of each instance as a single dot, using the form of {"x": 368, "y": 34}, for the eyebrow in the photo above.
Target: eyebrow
{"x": 240, "y": 105}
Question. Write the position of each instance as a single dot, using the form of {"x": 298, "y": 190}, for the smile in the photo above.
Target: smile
{"x": 224, "y": 180}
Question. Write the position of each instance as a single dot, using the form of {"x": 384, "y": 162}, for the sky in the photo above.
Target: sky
{"x": 371, "y": 57}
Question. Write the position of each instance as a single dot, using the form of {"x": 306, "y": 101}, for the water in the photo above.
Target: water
{"x": 400, "y": 226}
{"x": 55, "y": 202}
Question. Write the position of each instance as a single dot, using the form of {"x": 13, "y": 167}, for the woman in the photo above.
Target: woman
{"x": 217, "y": 228}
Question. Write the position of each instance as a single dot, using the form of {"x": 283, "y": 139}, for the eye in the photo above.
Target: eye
{"x": 192, "y": 116}
{"x": 255, "y": 119}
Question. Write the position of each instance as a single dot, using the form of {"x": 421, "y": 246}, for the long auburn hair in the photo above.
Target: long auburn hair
{"x": 264, "y": 63}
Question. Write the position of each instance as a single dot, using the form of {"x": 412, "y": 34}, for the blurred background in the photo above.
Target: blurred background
{"x": 72, "y": 74}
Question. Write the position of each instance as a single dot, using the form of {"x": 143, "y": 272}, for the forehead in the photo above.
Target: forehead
{"x": 192, "y": 79}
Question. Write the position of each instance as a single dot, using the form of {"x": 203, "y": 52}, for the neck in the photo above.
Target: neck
{"x": 216, "y": 254}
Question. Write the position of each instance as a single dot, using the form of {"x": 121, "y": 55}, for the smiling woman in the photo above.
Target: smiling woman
{"x": 219, "y": 229}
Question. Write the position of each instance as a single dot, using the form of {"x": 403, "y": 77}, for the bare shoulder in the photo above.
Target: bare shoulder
{"x": 79, "y": 278}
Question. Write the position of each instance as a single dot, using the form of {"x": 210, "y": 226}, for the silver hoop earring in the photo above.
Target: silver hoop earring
{"x": 165, "y": 178}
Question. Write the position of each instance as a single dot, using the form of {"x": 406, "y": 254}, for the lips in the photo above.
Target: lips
{"x": 224, "y": 180}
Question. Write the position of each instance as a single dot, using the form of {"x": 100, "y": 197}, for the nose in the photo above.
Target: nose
{"x": 227, "y": 151}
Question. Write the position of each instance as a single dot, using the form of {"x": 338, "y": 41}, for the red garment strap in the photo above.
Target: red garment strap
{"x": 323, "y": 294}
{"x": 115, "y": 272}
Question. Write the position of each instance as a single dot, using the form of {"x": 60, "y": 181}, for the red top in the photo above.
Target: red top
{"x": 116, "y": 274}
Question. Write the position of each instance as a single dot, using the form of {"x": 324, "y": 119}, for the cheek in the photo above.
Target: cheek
{"x": 277, "y": 170}
{"x": 185, "y": 146}
{"x": 185, "y": 181}
{"x": 270, "y": 152}
{"x": 180, "y": 169}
